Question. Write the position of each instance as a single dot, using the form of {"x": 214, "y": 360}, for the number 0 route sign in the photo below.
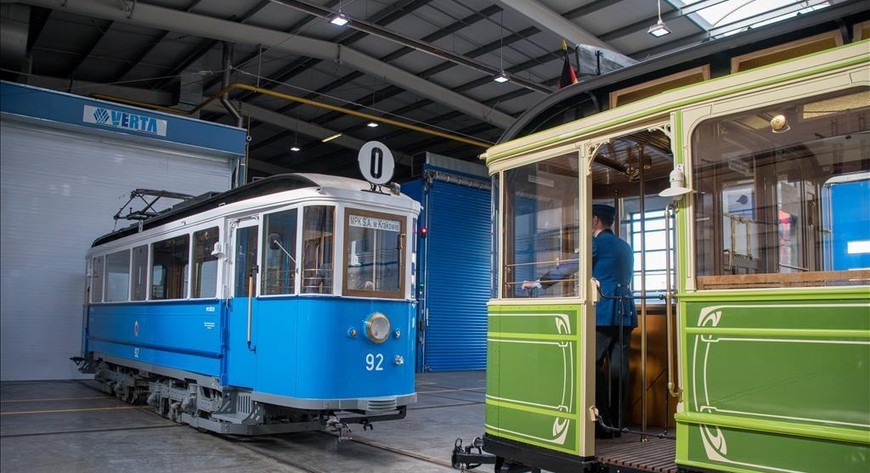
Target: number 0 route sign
{"x": 376, "y": 162}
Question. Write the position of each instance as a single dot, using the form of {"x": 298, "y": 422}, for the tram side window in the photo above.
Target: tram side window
{"x": 373, "y": 254}
{"x": 118, "y": 276}
{"x": 279, "y": 253}
{"x": 140, "y": 273}
{"x": 541, "y": 220}
{"x": 205, "y": 264}
{"x": 169, "y": 268}
{"x": 317, "y": 240}
{"x": 766, "y": 213}
{"x": 245, "y": 260}
{"x": 97, "y": 279}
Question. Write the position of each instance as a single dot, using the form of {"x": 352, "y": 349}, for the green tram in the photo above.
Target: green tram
{"x": 740, "y": 171}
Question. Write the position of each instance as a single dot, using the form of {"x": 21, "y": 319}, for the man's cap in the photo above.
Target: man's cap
{"x": 604, "y": 211}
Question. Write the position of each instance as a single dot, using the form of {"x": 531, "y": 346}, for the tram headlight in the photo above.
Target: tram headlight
{"x": 378, "y": 327}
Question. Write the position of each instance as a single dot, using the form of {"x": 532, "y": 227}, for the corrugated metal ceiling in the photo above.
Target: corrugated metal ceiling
{"x": 428, "y": 63}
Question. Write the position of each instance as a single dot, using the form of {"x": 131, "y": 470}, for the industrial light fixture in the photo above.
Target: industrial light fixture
{"x": 372, "y": 124}
{"x": 659, "y": 29}
{"x": 339, "y": 19}
{"x": 331, "y": 137}
{"x": 502, "y": 77}
{"x": 677, "y": 184}
{"x": 295, "y": 148}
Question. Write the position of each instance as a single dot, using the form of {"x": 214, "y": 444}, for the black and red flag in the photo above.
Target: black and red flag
{"x": 568, "y": 76}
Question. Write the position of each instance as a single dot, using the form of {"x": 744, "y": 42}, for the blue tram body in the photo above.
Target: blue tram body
{"x": 279, "y": 306}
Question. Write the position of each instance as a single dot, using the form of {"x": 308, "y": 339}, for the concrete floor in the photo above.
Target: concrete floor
{"x": 67, "y": 426}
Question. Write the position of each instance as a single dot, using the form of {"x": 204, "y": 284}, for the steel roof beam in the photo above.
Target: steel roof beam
{"x": 204, "y": 47}
{"x": 147, "y": 50}
{"x": 384, "y": 93}
{"x": 422, "y": 46}
{"x": 552, "y": 21}
{"x": 166, "y": 18}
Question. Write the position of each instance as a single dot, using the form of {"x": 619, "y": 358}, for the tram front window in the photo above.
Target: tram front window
{"x": 541, "y": 212}
{"x": 373, "y": 254}
{"x": 784, "y": 190}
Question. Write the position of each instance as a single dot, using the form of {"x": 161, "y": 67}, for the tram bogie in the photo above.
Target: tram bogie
{"x": 280, "y": 306}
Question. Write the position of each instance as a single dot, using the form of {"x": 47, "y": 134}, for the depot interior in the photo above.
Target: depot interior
{"x": 258, "y": 88}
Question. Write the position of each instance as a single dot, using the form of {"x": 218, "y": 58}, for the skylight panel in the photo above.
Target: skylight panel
{"x": 732, "y": 16}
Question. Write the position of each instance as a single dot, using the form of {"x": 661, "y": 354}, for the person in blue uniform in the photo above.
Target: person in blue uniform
{"x": 615, "y": 313}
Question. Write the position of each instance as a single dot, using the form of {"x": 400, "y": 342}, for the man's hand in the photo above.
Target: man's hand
{"x": 531, "y": 285}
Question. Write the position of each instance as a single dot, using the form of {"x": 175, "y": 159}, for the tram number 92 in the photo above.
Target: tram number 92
{"x": 374, "y": 362}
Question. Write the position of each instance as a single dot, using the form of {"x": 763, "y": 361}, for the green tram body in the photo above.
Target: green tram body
{"x": 773, "y": 365}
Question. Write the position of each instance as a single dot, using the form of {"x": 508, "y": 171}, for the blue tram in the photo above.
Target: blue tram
{"x": 282, "y": 305}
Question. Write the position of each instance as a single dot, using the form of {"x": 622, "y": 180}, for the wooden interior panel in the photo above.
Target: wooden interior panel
{"x": 807, "y": 279}
{"x": 660, "y": 406}
{"x": 786, "y": 51}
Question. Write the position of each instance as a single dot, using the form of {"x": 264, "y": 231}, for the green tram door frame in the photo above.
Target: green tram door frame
{"x": 541, "y": 356}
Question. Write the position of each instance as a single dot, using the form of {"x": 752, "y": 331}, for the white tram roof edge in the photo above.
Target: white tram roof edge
{"x": 329, "y": 187}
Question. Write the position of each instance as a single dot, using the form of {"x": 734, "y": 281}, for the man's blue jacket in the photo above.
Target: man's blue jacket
{"x": 612, "y": 265}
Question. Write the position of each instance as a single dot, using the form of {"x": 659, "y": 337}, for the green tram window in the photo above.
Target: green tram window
{"x": 763, "y": 213}
{"x": 541, "y": 213}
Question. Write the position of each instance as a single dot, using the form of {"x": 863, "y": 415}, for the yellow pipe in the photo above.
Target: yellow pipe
{"x": 293, "y": 98}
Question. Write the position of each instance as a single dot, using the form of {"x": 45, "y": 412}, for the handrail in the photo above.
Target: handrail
{"x": 293, "y": 98}
{"x": 642, "y": 315}
{"x": 251, "y": 304}
{"x": 673, "y": 389}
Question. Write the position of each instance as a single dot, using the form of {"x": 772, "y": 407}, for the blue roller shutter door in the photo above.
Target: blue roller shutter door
{"x": 457, "y": 277}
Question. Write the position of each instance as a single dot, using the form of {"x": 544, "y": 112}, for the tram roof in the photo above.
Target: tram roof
{"x": 212, "y": 200}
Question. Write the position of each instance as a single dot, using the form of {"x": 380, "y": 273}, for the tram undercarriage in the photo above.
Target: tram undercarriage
{"x": 223, "y": 410}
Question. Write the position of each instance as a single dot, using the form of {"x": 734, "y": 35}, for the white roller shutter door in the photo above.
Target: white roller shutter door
{"x": 60, "y": 190}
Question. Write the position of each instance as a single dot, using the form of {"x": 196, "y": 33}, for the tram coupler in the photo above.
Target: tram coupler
{"x": 466, "y": 458}
{"x": 85, "y": 365}
{"x": 336, "y": 425}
